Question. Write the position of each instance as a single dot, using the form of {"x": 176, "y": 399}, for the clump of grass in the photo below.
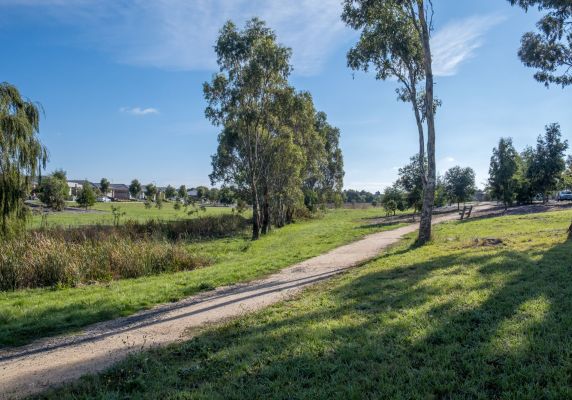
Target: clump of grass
{"x": 207, "y": 227}
{"x": 42, "y": 260}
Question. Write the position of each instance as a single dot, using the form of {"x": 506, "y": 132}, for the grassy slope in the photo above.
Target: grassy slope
{"x": 451, "y": 320}
{"x": 30, "y": 314}
{"x": 133, "y": 210}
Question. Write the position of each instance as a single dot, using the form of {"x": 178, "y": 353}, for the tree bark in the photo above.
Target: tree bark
{"x": 570, "y": 232}
{"x": 265, "y": 213}
{"x": 255, "y": 214}
{"x": 429, "y": 193}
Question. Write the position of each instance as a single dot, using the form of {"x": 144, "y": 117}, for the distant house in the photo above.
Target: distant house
{"x": 74, "y": 188}
{"x": 117, "y": 191}
{"x": 192, "y": 193}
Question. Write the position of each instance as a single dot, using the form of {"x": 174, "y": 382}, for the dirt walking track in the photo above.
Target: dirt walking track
{"x": 49, "y": 362}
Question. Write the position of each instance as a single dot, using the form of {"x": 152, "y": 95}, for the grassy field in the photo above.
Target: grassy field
{"x": 34, "y": 313}
{"x": 100, "y": 213}
{"x": 464, "y": 317}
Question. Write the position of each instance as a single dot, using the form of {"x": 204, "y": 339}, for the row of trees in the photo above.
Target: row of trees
{"x": 274, "y": 147}
{"x": 456, "y": 186}
{"x": 536, "y": 171}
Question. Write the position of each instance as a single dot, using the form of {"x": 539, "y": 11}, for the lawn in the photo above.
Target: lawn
{"x": 30, "y": 314}
{"x": 101, "y": 214}
{"x": 468, "y": 316}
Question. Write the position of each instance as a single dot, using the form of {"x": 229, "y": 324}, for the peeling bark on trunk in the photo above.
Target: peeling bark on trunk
{"x": 429, "y": 193}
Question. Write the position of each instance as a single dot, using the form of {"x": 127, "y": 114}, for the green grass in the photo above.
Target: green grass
{"x": 133, "y": 211}
{"x": 452, "y": 320}
{"x": 29, "y": 314}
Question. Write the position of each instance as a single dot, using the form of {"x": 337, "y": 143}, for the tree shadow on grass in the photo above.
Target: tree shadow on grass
{"x": 479, "y": 323}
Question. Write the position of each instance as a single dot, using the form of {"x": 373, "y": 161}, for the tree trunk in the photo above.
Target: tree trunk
{"x": 255, "y": 215}
{"x": 265, "y": 213}
{"x": 570, "y": 232}
{"x": 429, "y": 194}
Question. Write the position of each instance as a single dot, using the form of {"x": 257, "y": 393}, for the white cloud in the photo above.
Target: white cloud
{"x": 457, "y": 42}
{"x": 139, "y": 110}
{"x": 180, "y": 34}
{"x": 448, "y": 160}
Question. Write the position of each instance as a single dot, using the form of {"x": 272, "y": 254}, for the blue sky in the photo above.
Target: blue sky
{"x": 121, "y": 84}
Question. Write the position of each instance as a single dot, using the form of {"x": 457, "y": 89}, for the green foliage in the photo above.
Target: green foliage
{"x": 104, "y": 186}
{"x": 117, "y": 214}
{"x": 460, "y": 184}
{"x": 135, "y": 188}
{"x": 411, "y": 181}
{"x": 151, "y": 192}
{"x": 502, "y": 172}
{"x": 170, "y": 192}
{"x": 440, "y": 193}
{"x": 393, "y": 199}
{"x": 159, "y": 202}
{"x": 86, "y": 197}
{"x": 177, "y": 204}
{"x": 546, "y": 162}
{"x": 202, "y": 192}
{"x": 21, "y": 155}
{"x": 182, "y": 192}
{"x": 54, "y": 190}
{"x": 273, "y": 145}
{"x": 227, "y": 195}
{"x": 549, "y": 50}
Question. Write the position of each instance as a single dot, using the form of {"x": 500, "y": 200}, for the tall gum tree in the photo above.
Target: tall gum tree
{"x": 395, "y": 41}
{"x": 253, "y": 69}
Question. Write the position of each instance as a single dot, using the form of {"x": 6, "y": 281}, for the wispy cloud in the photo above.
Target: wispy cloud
{"x": 457, "y": 42}
{"x": 139, "y": 110}
{"x": 180, "y": 34}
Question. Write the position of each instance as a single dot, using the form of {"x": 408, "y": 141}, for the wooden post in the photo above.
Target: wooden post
{"x": 470, "y": 211}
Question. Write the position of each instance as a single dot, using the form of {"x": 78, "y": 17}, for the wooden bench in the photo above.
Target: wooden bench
{"x": 466, "y": 213}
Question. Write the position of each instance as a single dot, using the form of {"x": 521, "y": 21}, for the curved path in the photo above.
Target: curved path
{"x": 49, "y": 362}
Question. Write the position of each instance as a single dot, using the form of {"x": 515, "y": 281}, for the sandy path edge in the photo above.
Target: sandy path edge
{"x": 53, "y": 361}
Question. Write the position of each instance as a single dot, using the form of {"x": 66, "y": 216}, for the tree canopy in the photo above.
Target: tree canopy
{"x": 549, "y": 50}
{"x": 502, "y": 171}
{"x": 273, "y": 146}
{"x": 21, "y": 153}
{"x": 460, "y": 184}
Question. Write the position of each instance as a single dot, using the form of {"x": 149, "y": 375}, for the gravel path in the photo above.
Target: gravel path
{"x": 50, "y": 362}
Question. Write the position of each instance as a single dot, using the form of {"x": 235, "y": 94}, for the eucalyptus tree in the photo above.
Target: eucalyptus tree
{"x": 550, "y": 49}
{"x": 21, "y": 154}
{"x": 395, "y": 41}
{"x": 502, "y": 172}
{"x": 331, "y": 164}
{"x": 547, "y": 161}
{"x": 459, "y": 184}
{"x": 253, "y": 69}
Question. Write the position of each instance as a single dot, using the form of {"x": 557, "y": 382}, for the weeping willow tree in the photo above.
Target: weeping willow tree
{"x": 21, "y": 154}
